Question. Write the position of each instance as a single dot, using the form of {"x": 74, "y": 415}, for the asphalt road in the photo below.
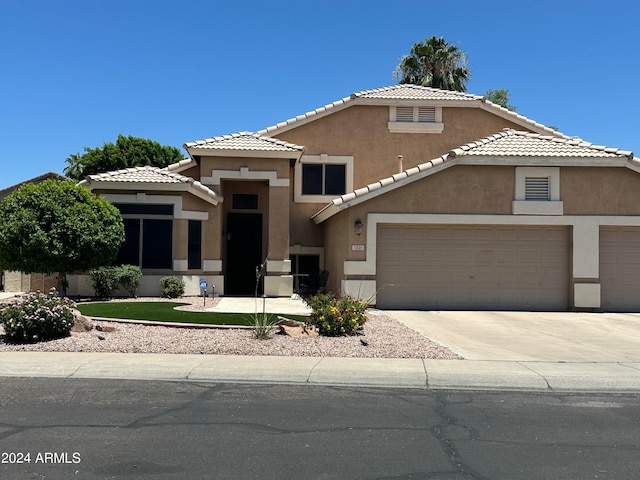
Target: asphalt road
{"x": 106, "y": 429}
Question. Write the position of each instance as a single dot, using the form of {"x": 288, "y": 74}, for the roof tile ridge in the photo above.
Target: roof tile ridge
{"x": 362, "y": 93}
{"x": 277, "y": 141}
{"x": 308, "y": 114}
{"x": 522, "y": 118}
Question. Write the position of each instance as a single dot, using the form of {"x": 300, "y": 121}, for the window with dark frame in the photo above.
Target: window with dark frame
{"x": 244, "y": 201}
{"x": 157, "y": 243}
{"x": 195, "y": 245}
{"x": 148, "y": 241}
{"x": 324, "y": 179}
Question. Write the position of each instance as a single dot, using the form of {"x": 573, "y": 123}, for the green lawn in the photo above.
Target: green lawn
{"x": 164, "y": 312}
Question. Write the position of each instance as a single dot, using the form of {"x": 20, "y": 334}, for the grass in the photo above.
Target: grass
{"x": 164, "y": 312}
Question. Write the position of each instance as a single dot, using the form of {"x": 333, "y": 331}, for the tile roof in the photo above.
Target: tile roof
{"x": 508, "y": 143}
{"x": 246, "y": 141}
{"x": 150, "y": 175}
{"x": 408, "y": 92}
{"x": 414, "y": 92}
{"x": 181, "y": 166}
{"x": 515, "y": 143}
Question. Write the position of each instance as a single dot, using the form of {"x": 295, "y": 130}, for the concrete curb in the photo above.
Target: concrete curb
{"x": 359, "y": 372}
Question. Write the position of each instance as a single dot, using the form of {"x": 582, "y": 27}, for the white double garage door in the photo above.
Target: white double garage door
{"x": 443, "y": 267}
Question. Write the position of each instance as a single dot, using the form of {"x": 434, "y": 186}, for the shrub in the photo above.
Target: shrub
{"x": 37, "y": 317}
{"x": 129, "y": 278}
{"x": 337, "y": 316}
{"x": 104, "y": 281}
{"x": 263, "y": 327}
{"x": 172, "y": 287}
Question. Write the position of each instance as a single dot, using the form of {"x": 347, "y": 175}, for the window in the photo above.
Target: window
{"x": 306, "y": 272}
{"x": 157, "y": 243}
{"x": 244, "y": 201}
{"x": 195, "y": 245}
{"x": 148, "y": 235}
{"x": 321, "y": 178}
{"x": 418, "y": 119}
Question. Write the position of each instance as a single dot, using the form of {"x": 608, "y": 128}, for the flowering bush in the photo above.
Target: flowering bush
{"x": 37, "y": 317}
{"x": 337, "y": 316}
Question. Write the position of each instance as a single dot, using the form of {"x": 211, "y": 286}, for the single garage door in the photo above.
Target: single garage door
{"x": 439, "y": 267}
{"x": 620, "y": 269}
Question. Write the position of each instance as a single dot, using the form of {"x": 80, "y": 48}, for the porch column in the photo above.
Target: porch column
{"x": 278, "y": 281}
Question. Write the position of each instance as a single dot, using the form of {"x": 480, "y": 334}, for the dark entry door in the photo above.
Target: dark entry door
{"x": 244, "y": 253}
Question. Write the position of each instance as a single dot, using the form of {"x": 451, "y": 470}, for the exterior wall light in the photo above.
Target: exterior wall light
{"x": 358, "y": 225}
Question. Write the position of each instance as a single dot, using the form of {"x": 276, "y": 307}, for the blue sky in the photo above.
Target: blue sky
{"x": 76, "y": 73}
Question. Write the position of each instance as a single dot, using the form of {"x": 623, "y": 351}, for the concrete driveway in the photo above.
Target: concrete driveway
{"x": 531, "y": 336}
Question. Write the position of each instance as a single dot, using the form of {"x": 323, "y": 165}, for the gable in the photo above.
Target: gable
{"x": 509, "y": 147}
{"x": 414, "y": 95}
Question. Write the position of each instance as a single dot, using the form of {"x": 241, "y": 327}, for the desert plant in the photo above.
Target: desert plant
{"x": 263, "y": 327}
{"x": 337, "y": 315}
{"x": 129, "y": 278}
{"x": 37, "y": 317}
{"x": 104, "y": 281}
{"x": 172, "y": 287}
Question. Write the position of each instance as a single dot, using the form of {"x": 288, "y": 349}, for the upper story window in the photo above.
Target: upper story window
{"x": 415, "y": 119}
{"x": 537, "y": 191}
{"x": 324, "y": 179}
{"x": 321, "y": 178}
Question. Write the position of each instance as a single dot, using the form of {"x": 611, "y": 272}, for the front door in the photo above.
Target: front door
{"x": 244, "y": 253}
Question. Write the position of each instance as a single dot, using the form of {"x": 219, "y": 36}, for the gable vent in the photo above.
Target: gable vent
{"x": 427, "y": 114}
{"x": 536, "y": 188}
{"x": 404, "y": 114}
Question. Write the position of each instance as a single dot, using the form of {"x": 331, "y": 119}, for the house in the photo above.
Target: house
{"x": 408, "y": 196}
{"x": 24, "y": 282}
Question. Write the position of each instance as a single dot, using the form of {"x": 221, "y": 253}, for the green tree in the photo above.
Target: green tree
{"x": 125, "y": 153}
{"x": 58, "y": 227}
{"x": 500, "y": 97}
{"x": 434, "y": 63}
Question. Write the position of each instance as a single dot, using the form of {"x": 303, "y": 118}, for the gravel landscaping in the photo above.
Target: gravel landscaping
{"x": 383, "y": 337}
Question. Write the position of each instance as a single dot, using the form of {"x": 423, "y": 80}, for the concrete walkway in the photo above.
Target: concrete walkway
{"x": 6, "y": 295}
{"x": 291, "y": 306}
{"x": 503, "y": 351}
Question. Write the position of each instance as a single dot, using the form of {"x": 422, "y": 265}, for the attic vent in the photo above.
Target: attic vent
{"x": 536, "y": 188}
{"x": 404, "y": 114}
{"x": 427, "y": 114}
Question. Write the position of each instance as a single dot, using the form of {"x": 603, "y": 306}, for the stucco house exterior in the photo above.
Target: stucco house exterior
{"x": 408, "y": 196}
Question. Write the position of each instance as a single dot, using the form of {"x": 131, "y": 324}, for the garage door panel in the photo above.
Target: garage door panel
{"x": 475, "y": 268}
{"x": 620, "y": 269}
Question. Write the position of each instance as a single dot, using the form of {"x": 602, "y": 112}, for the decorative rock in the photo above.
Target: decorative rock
{"x": 100, "y": 337}
{"x": 81, "y": 323}
{"x": 105, "y": 328}
{"x": 293, "y": 328}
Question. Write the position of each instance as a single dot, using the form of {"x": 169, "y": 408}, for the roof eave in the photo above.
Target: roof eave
{"x": 195, "y": 188}
{"x": 215, "y": 152}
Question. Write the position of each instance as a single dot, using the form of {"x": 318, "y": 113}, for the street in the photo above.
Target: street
{"x": 108, "y": 429}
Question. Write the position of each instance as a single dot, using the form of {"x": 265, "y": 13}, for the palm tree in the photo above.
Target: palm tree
{"x": 434, "y": 63}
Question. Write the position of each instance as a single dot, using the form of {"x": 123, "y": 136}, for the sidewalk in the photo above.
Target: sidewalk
{"x": 489, "y": 373}
{"x": 360, "y": 372}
